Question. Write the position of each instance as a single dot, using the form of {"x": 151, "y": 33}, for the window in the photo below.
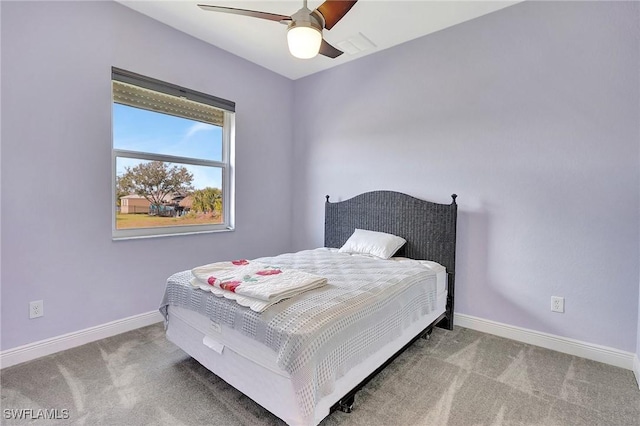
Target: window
{"x": 172, "y": 159}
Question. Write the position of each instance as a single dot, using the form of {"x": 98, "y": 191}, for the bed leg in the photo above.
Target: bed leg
{"x": 427, "y": 334}
{"x": 346, "y": 405}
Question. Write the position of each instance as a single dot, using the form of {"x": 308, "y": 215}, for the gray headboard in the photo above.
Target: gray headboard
{"x": 429, "y": 228}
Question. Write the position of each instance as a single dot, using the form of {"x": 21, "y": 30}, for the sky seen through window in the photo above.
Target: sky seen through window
{"x": 141, "y": 130}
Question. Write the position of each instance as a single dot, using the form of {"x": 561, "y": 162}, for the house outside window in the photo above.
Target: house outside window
{"x": 172, "y": 159}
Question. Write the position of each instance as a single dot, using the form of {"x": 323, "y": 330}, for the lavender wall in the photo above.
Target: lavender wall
{"x": 530, "y": 114}
{"x": 56, "y": 163}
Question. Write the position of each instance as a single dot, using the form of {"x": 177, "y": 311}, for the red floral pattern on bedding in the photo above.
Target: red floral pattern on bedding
{"x": 232, "y": 284}
{"x": 266, "y": 272}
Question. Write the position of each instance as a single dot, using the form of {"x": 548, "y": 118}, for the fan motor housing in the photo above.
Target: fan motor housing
{"x": 306, "y": 18}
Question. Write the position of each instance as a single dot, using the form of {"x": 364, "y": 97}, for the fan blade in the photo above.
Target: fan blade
{"x": 329, "y": 51}
{"x": 245, "y": 12}
{"x": 334, "y": 10}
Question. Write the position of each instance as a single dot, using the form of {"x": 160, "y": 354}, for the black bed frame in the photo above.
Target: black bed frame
{"x": 430, "y": 231}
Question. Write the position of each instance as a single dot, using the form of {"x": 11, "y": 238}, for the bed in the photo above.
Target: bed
{"x": 307, "y": 356}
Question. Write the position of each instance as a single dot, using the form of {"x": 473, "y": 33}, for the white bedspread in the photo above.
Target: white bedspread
{"x": 322, "y": 333}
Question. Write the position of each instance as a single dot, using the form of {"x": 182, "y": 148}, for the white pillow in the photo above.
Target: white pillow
{"x": 377, "y": 244}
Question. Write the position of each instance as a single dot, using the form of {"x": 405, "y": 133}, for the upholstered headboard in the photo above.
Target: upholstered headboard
{"x": 429, "y": 228}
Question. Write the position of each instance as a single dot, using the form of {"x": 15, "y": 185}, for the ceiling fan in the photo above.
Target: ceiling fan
{"x": 304, "y": 33}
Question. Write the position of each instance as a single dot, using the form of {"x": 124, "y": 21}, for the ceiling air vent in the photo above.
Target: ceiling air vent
{"x": 356, "y": 44}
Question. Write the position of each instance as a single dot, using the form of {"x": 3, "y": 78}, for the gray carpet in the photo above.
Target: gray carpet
{"x": 459, "y": 377}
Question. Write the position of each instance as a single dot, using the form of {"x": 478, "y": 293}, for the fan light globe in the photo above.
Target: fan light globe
{"x": 304, "y": 42}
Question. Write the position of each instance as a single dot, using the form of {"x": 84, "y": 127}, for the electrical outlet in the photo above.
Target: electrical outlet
{"x": 36, "y": 309}
{"x": 557, "y": 304}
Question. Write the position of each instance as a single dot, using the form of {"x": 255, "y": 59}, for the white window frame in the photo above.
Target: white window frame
{"x": 227, "y": 163}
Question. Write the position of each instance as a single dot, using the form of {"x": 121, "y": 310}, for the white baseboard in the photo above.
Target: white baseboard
{"x": 50, "y": 346}
{"x": 591, "y": 351}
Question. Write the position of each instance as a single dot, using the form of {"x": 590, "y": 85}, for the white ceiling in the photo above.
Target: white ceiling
{"x": 383, "y": 23}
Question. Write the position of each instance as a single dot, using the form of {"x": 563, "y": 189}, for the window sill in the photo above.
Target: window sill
{"x": 119, "y": 236}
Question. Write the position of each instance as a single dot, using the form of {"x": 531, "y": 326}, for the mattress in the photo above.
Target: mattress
{"x": 254, "y": 372}
{"x": 223, "y": 338}
{"x": 312, "y": 341}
